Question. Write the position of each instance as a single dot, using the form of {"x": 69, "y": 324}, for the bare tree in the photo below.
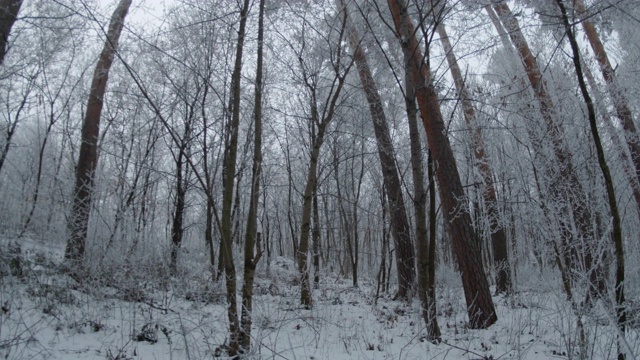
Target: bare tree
{"x": 405, "y": 258}
{"x": 608, "y": 180}
{"x": 480, "y": 306}
{"x": 88, "y": 156}
{"x": 498, "y": 233}
{"x": 229, "y": 176}
{"x": 574, "y": 209}
{"x": 252, "y": 236}
{"x": 617, "y": 95}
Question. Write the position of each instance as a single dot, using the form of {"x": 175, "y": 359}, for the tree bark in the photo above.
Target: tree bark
{"x": 312, "y": 178}
{"x": 608, "y": 180}
{"x": 565, "y": 185}
{"x": 480, "y": 306}
{"x": 88, "y": 156}
{"x": 252, "y": 238}
{"x": 228, "y": 179}
{"x": 306, "y": 299}
{"x": 177, "y": 229}
{"x": 617, "y": 144}
{"x": 426, "y": 290}
{"x": 617, "y": 96}
{"x": 405, "y": 259}
{"x": 8, "y": 14}
{"x": 498, "y": 234}
{"x": 431, "y": 279}
{"x": 315, "y": 240}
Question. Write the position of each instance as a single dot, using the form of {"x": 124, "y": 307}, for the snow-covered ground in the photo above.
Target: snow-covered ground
{"x": 46, "y": 316}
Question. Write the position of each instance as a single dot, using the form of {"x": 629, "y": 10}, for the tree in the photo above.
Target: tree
{"x": 228, "y": 179}
{"x": 252, "y": 236}
{"x": 608, "y": 180}
{"x": 425, "y": 249}
{"x": 318, "y": 69}
{"x": 562, "y": 183}
{"x": 405, "y": 257}
{"x": 498, "y": 233}
{"x": 565, "y": 186}
{"x": 320, "y": 120}
{"x": 181, "y": 184}
{"x": 8, "y": 14}
{"x": 480, "y": 306}
{"x": 617, "y": 95}
{"x": 88, "y": 156}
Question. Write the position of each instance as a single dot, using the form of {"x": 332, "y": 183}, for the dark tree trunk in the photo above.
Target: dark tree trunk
{"x": 405, "y": 259}
{"x": 617, "y": 95}
{"x": 177, "y": 229}
{"x": 321, "y": 122}
{"x": 315, "y": 240}
{"x": 8, "y": 14}
{"x": 608, "y": 180}
{"x": 252, "y": 238}
{"x": 565, "y": 186}
{"x": 228, "y": 180}
{"x": 431, "y": 280}
{"x": 208, "y": 237}
{"x": 88, "y": 157}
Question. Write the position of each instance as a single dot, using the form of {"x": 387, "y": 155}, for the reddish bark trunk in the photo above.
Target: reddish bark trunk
{"x": 498, "y": 234}
{"x": 480, "y": 306}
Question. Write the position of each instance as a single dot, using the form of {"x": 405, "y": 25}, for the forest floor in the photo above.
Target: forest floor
{"x": 46, "y": 315}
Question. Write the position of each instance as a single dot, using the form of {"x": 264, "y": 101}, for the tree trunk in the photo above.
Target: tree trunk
{"x": 566, "y": 185}
{"x": 208, "y": 237}
{"x": 252, "y": 238}
{"x": 315, "y": 240}
{"x": 228, "y": 176}
{"x": 617, "y": 96}
{"x": 615, "y": 141}
{"x": 608, "y": 180}
{"x": 8, "y": 14}
{"x": 498, "y": 234}
{"x": 405, "y": 259}
{"x": 303, "y": 246}
{"x": 322, "y": 123}
{"x": 419, "y": 202}
{"x": 177, "y": 229}
{"x": 480, "y": 306}
{"x": 88, "y": 156}
{"x": 431, "y": 271}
